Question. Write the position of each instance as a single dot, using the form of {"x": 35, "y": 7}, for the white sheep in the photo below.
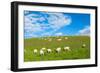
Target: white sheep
{"x": 84, "y": 45}
{"x": 59, "y": 39}
{"x": 43, "y": 48}
{"x": 49, "y": 50}
{"x": 50, "y": 40}
{"x": 66, "y": 38}
{"x": 67, "y": 48}
{"x": 58, "y": 50}
{"x": 35, "y": 51}
{"x": 41, "y": 52}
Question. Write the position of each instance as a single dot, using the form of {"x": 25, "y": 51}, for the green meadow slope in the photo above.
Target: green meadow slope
{"x": 74, "y": 42}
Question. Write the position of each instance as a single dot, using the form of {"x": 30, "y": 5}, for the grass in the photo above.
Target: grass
{"x": 74, "y": 42}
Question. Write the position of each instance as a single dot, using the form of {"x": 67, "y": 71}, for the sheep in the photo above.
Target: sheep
{"x": 49, "y": 50}
{"x": 66, "y": 38}
{"x": 41, "y": 52}
{"x": 59, "y": 39}
{"x": 50, "y": 40}
{"x": 84, "y": 45}
{"x": 58, "y": 50}
{"x": 43, "y": 48}
{"x": 35, "y": 51}
{"x": 67, "y": 48}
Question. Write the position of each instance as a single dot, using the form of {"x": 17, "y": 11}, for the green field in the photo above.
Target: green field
{"x": 74, "y": 42}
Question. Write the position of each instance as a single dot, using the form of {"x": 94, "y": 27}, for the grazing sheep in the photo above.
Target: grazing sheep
{"x": 59, "y": 39}
{"x": 49, "y": 50}
{"x": 84, "y": 45}
{"x": 43, "y": 48}
{"x": 35, "y": 51}
{"x": 67, "y": 48}
{"x": 66, "y": 38}
{"x": 50, "y": 40}
{"x": 58, "y": 50}
{"x": 41, "y": 52}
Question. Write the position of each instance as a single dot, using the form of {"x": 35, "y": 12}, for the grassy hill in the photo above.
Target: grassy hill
{"x": 74, "y": 42}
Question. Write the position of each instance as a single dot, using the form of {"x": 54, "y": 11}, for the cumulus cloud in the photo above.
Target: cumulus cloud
{"x": 44, "y": 23}
{"x": 58, "y": 20}
{"x": 85, "y": 31}
{"x": 59, "y": 34}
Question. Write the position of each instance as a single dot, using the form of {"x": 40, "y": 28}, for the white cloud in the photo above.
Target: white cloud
{"x": 30, "y": 35}
{"x": 58, "y": 20}
{"x": 30, "y": 26}
{"x": 59, "y": 34}
{"x": 55, "y": 22}
{"x": 85, "y": 31}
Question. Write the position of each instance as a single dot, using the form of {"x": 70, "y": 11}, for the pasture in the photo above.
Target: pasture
{"x": 77, "y": 51}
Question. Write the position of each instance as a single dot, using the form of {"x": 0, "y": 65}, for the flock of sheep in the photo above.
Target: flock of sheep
{"x": 57, "y": 50}
{"x": 44, "y": 50}
{"x": 58, "y": 39}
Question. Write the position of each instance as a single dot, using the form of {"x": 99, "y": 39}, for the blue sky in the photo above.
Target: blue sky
{"x": 41, "y": 24}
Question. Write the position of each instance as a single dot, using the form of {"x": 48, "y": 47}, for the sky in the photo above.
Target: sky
{"x": 43, "y": 24}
